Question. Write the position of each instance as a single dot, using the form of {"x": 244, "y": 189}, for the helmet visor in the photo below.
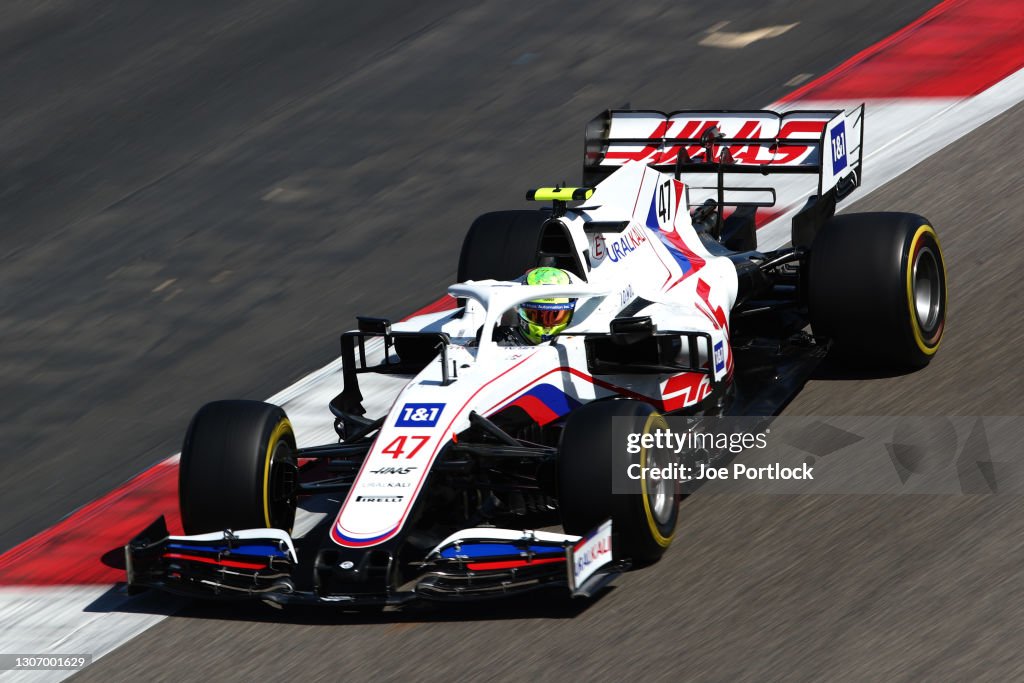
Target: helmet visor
{"x": 546, "y": 314}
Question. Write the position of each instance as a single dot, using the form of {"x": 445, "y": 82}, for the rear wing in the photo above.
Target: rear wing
{"x": 826, "y": 143}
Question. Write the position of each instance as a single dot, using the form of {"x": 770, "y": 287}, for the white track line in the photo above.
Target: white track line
{"x": 899, "y": 134}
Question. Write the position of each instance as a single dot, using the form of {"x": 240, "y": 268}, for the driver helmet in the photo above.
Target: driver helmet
{"x": 542, "y": 319}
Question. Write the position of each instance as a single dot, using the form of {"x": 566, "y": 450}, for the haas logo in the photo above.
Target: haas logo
{"x": 392, "y": 470}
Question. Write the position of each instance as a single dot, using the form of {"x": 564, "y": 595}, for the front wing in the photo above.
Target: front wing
{"x": 470, "y": 564}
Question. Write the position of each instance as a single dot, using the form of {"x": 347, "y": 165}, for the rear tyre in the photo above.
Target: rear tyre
{"x": 645, "y": 512}
{"x": 238, "y": 468}
{"x": 877, "y": 288}
{"x": 501, "y": 245}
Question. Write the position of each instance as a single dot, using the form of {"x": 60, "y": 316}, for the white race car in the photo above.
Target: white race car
{"x": 503, "y": 419}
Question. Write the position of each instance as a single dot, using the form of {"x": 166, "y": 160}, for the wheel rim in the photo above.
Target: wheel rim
{"x": 926, "y": 288}
{"x": 283, "y": 482}
{"x": 660, "y": 492}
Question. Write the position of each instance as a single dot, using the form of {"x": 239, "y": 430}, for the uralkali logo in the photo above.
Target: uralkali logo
{"x": 592, "y": 553}
{"x": 624, "y": 246}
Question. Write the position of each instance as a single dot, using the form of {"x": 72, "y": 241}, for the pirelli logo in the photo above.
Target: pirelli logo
{"x": 379, "y": 499}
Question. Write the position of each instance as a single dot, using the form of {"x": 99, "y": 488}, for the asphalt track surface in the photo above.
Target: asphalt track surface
{"x": 289, "y": 165}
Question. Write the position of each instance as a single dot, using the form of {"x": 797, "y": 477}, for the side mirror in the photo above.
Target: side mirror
{"x": 625, "y": 331}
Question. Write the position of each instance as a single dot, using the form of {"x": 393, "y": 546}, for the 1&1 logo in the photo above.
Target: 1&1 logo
{"x": 419, "y": 415}
{"x": 839, "y": 148}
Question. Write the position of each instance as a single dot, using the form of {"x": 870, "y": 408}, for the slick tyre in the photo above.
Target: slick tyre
{"x": 877, "y": 287}
{"x": 501, "y": 245}
{"x": 238, "y": 468}
{"x": 644, "y": 512}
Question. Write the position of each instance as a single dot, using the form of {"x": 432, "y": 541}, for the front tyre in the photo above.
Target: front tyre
{"x": 238, "y": 468}
{"x": 877, "y": 288}
{"x": 644, "y": 511}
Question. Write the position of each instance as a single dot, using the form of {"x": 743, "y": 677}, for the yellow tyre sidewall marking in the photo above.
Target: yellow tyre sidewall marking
{"x": 663, "y": 541}
{"x": 915, "y": 325}
{"x": 283, "y": 427}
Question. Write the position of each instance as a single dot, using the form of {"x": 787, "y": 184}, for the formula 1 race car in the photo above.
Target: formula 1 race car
{"x": 492, "y": 471}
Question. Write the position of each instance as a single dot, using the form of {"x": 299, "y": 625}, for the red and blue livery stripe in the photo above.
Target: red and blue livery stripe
{"x": 688, "y": 261}
{"x": 484, "y": 550}
{"x": 544, "y": 403}
{"x": 252, "y": 549}
{"x": 353, "y": 542}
